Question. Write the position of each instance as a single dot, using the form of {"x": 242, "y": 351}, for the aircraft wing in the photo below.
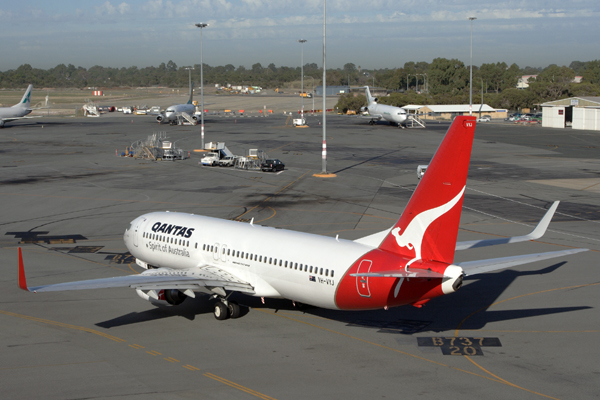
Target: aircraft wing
{"x": 378, "y": 117}
{"x": 16, "y": 118}
{"x": 494, "y": 264}
{"x": 537, "y": 233}
{"x": 161, "y": 278}
{"x": 375, "y": 239}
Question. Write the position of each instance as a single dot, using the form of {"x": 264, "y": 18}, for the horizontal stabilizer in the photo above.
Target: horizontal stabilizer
{"x": 411, "y": 273}
{"x": 537, "y": 233}
{"x": 493, "y": 264}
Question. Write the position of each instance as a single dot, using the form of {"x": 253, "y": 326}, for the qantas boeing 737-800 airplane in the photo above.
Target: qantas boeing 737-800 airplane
{"x": 410, "y": 263}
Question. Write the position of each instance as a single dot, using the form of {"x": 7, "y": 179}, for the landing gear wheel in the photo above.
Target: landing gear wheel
{"x": 221, "y": 311}
{"x": 234, "y": 310}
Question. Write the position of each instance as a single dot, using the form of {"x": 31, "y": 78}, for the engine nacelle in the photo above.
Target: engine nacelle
{"x": 161, "y": 118}
{"x": 375, "y": 99}
{"x": 364, "y": 109}
{"x": 158, "y": 301}
{"x": 195, "y": 117}
{"x": 165, "y": 297}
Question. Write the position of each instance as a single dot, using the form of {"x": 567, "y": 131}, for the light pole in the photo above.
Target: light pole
{"x": 302, "y": 41}
{"x": 190, "y": 71}
{"x": 481, "y": 106}
{"x": 313, "y": 94}
{"x": 201, "y": 25}
{"x": 425, "y": 82}
{"x": 324, "y": 152}
{"x": 471, "y": 74}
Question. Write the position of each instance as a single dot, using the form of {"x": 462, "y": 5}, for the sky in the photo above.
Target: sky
{"x": 368, "y": 33}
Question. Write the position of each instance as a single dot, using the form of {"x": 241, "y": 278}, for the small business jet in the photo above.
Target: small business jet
{"x": 19, "y": 110}
{"x": 410, "y": 263}
{"x": 394, "y": 115}
{"x": 171, "y": 113}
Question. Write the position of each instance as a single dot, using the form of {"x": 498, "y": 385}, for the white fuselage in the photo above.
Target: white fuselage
{"x": 172, "y": 112}
{"x": 17, "y": 111}
{"x": 392, "y": 114}
{"x": 308, "y": 271}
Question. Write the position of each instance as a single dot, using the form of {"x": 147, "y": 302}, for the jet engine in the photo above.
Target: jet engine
{"x": 364, "y": 109}
{"x": 161, "y": 118}
{"x": 174, "y": 297}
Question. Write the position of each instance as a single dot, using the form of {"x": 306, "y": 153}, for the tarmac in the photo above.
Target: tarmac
{"x": 527, "y": 332}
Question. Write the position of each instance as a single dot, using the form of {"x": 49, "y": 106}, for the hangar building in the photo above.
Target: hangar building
{"x": 576, "y": 112}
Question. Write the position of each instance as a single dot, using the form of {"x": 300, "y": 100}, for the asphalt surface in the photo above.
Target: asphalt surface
{"x": 529, "y": 332}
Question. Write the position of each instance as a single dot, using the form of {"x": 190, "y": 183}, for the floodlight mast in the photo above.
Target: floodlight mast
{"x": 471, "y": 74}
{"x": 201, "y": 25}
{"x": 324, "y": 153}
{"x": 190, "y": 73}
{"x": 302, "y": 41}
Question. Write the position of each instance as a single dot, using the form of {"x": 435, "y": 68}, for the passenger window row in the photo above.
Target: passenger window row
{"x": 269, "y": 260}
{"x": 167, "y": 239}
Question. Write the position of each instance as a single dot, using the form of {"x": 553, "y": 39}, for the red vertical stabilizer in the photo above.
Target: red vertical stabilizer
{"x": 428, "y": 226}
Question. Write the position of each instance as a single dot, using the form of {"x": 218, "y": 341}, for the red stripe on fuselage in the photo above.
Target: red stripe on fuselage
{"x": 367, "y": 293}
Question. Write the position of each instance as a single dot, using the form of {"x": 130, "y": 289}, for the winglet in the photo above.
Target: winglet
{"x": 535, "y": 234}
{"x": 22, "y": 280}
{"x": 541, "y": 227}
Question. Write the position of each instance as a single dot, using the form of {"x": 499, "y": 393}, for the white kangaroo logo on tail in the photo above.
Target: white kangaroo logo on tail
{"x": 412, "y": 237}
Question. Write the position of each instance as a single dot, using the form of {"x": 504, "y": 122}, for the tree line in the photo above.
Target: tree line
{"x": 443, "y": 81}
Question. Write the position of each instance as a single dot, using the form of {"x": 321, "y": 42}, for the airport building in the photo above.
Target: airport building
{"x": 449, "y": 111}
{"x": 575, "y": 112}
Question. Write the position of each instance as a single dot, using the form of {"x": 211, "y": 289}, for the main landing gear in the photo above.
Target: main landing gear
{"x": 227, "y": 309}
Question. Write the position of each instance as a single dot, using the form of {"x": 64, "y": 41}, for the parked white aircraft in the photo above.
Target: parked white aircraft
{"x": 394, "y": 115}
{"x": 19, "y": 110}
{"x": 410, "y": 263}
{"x": 171, "y": 113}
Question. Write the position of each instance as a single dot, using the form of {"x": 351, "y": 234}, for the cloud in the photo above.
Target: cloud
{"x": 105, "y": 9}
{"x": 124, "y": 8}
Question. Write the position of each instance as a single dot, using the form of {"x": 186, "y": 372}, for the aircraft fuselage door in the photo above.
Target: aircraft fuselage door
{"x": 362, "y": 282}
{"x": 224, "y": 253}
{"x": 216, "y": 251}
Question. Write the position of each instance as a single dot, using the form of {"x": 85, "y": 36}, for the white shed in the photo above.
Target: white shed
{"x": 576, "y": 112}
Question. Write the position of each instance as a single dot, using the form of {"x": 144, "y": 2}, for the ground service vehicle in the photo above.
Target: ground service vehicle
{"x": 272, "y": 165}
{"x": 227, "y": 161}
{"x": 210, "y": 159}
